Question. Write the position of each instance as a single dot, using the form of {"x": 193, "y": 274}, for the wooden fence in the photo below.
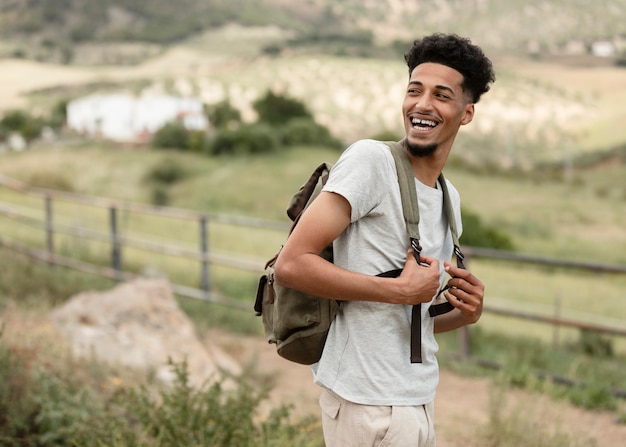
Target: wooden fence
{"x": 50, "y": 223}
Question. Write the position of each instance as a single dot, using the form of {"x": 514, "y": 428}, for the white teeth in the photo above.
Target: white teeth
{"x": 417, "y": 122}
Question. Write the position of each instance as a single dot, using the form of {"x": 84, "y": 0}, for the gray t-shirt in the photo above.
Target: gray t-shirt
{"x": 366, "y": 359}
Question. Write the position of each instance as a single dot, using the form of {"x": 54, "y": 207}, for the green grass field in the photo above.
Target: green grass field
{"x": 550, "y": 218}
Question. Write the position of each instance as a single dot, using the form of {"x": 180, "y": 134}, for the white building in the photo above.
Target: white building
{"x": 122, "y": 117}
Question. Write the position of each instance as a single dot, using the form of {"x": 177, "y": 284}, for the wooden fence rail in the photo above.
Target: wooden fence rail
{"x": 46, "y": 220}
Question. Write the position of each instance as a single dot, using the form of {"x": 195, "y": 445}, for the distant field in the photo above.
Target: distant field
{"x": 537, "y": 110}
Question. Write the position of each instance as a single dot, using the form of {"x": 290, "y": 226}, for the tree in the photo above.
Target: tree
{"x": 276, "y": 109}
{"x": 223, "y": 114}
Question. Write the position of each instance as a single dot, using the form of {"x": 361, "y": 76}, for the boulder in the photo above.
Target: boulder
{"x": 140, "y": 325}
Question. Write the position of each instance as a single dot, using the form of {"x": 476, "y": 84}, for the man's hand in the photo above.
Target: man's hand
{"x": 465, "y": 292}
{"x": 419, "y": 283}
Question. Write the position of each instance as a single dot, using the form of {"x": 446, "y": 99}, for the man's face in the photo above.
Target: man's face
{"x": 434, "y": 108}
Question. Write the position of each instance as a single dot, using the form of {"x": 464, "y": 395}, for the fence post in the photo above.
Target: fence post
{"x": 49, "y": 228}
{"x": 116, "y": 252}
{"x": 204, "y": 250}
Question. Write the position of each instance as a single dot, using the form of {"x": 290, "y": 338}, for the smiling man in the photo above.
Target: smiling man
{"x": 372, "y": 393}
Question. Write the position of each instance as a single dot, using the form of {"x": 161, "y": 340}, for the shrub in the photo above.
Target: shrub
{"x": 594, "y": 344}
{"x": 58, "y": 114}
{"x": 19, "y": 121}
{"x": 17, "y": 410}
{"x": 172, "y": 135}
{"x": 167, "y": 171}
{"x": 305, "y": 131}
{"x": 593, "y": 396}
{"x": 276, "y": 109}
{"x": 54, "y": 408}
{"x": 475, "y": 234}
{"x": 246, "y": 139}
{"x": 223, "y": 114}
{"x": 164, "y": 174}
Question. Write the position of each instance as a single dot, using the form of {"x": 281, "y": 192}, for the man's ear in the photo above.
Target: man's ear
{"x": 469, "y": 114}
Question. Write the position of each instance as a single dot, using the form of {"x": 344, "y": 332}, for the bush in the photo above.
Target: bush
{"x": 17, "y": 409}
{"x": 276, "y": 109}
{"x": 58, "y": 408}
{"x": 58, "y": 114}
{"x": 246, "y": 139}
{"x": 172, "y": 135}
{"x": 595, "y": 344}
{"x": 305, "y": 131}
{"x": 19, "y": 121}
{"x": 475, "y": 234}
{"x": 167, "y": 171}
{"x": 160, "y": 177}
{"x": 223, "y": 114}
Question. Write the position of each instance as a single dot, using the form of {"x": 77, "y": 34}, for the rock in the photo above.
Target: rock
{"x": 139, "y": 324}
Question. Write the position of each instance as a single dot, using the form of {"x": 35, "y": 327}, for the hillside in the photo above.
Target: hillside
{"x": 552, "y": 102}
{"x": 57, "y": 30}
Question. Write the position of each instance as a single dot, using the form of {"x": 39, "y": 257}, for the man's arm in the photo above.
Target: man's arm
{"x": 299, "y": 265}
{"x": 466, "y": 294}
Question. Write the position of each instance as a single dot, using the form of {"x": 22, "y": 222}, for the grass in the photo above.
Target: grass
{"x": 548, "y": 217}
{"x": 512, "y": 427}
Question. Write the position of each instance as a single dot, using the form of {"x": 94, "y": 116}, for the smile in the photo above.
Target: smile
{"x": 423, "y": 124}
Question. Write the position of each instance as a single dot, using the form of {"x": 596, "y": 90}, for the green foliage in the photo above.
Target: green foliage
{"x": 306, "y": 132}
{"x": 257, "y": 138}
{"x": 58, "y": 114}
{"x": 476, "y": 234}
{"x": 223, "y": 115}
{"x": 25, "y": 124}
{"x": 60, "y": 408}
{"x": 277, "y": 109}
{"x": 167, "y": 171}
{"x": 172, "y": 135}
{"x": 528, "y": 363}
{"x": 593, "y": 396}
{"x": 594, "y": 344}
{"x": 17, "y": 409}
{"x": 161, "y": 177}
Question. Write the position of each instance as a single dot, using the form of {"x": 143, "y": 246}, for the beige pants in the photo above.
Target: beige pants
{"x": 347, "y": 424}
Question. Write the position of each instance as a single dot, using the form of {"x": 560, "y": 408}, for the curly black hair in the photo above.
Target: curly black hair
{"x": 458, "y": 53}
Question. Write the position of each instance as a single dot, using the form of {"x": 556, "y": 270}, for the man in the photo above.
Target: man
{"x": 372, "y": 393}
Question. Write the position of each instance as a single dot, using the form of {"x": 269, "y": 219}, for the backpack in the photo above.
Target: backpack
{"x": 298, "y": 323}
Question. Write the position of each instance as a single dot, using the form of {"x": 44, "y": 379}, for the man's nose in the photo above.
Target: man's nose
{"x": 424, "y": 102}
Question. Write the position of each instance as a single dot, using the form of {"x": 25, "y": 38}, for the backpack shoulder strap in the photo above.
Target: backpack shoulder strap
{"x": 447, "y": 203}
{"x": 408, "y": 193}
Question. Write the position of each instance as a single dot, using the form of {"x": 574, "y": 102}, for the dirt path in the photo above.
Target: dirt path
{"x": 462, "y": 404}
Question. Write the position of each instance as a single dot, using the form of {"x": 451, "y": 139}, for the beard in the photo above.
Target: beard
{"x": 421, "y": 150}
